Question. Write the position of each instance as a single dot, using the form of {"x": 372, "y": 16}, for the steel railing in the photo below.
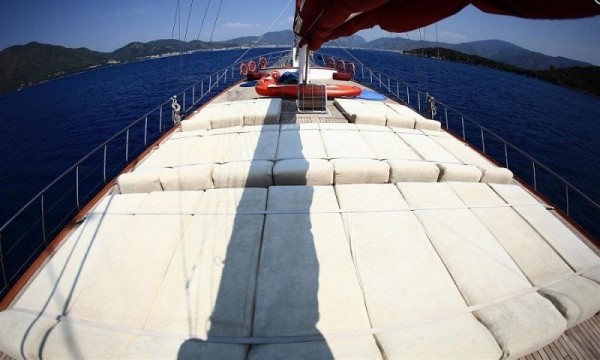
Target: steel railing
{"x": 30, "y": 230}
{"x": 563, "y": 195}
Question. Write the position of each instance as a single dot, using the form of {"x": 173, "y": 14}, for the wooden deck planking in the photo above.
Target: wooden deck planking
{"x": 579, "y": 342}
{"x": 289, "y": 115}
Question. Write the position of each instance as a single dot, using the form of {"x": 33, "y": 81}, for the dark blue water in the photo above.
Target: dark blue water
{"x": 47, "y": 128}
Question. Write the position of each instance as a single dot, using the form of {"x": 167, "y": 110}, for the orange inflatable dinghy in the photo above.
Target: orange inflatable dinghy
{"x": 268, "y": 87}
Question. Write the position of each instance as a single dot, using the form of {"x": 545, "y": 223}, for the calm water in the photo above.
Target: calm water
{"x": 46, "y": 128}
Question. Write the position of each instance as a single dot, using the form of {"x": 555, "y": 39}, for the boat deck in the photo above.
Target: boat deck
{"x": 580, "y": 342}
{"x": 256, "y": 232}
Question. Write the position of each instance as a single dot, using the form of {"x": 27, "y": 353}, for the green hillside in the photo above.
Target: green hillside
{"x": 583, "y": 78}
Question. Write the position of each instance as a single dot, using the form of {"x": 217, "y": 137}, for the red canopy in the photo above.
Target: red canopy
{"x": 318, "y": 21}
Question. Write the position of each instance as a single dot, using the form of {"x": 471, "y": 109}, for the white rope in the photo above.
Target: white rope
{"x": 256, "y": 340}
{"x": 308, "y": 211}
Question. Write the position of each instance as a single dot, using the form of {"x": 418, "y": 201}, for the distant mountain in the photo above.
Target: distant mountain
{"x": 512, "y": 54}
{"x": 35, "y": 62}
{"x": 350, "y": 41}
{"x": 277, "y": 38}
{"x": 586, "y": 78}
{"x": 492, "y": 49}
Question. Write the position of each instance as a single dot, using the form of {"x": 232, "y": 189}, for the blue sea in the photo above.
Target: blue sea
{"x": 47, "y": 128}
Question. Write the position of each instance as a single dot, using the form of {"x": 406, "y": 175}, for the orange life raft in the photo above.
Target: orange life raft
{"x": 268, "y": 87}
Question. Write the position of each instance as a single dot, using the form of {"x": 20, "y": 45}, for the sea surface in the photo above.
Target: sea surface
{"x": 47, "y": 128}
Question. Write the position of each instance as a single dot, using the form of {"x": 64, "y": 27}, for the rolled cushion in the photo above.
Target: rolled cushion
{"x": 257, "y": 173}
{"x": 194, "y": 177}
{"x": 457, "y": 172}
{"x": 360, "y": 171}
{"x": 496, "y": 175}
{"x": 303, "y": 172}
{"x": 407, "y": 170}
{"x": 195, "y": 125}
{"x": 428, "y": 124}
{"x": 142, "y": 181}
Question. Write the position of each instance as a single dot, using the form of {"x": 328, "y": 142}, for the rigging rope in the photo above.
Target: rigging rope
{"x": 187, "y": 26}
{"x": 203, "y": 18}
{"x": 215, "y": 24}
{"x": 263, "y": 34}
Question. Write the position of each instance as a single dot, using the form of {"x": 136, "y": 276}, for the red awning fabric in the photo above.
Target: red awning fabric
{"x": 318, "y": 21}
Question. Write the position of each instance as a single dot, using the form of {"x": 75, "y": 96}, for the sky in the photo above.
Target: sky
{"x": 110, "y": 24}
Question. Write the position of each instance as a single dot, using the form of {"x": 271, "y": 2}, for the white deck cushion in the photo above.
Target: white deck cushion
{"x": 562, "y": 240}
{"x": 119, "y": 204}
{"x": 257, "y": 173}
{"x": 66, "y": 274}
{"x": 427, "y": 148}
{"x": 208, "y": 288}
{"x": 419, "y": 121}
{"x": 306, "y": 266}
{"x": 576, "y": 298}
{"x": 462, "y": 151}
{"x": 360, "y": 171}
{"x": 337, "y": 126}
{"x": 259, "y": 112}
{"x": 370, "y": 197}
{"x": 428, "y": 124}
{"x": 388, "y": 145}
{"x": 367, "y": 127}
{"x": 303, "y": 172}
{"x": 222, "y": 115}
{"x": 458, "y": 172}
{"x": 230, "y": 200}
{"x": 254, "y": 146}
{"x": 341, "y": 144}
{"x": 484, "y": 272}
{"x": 130, "y": 277}
{"x": 187, "y": 134}
{"x": 409, "y": 170}
{"x": 141, "y": 181}
{"x": 193, "y": 177}
{"x": 171, "y": 153}
{"x": 195, "y": 124}
{"x": 305, "y": 144}
{"x": 404, "y": 280}
{"x": 259, "y": 128}
{"x": 359, "y": 112}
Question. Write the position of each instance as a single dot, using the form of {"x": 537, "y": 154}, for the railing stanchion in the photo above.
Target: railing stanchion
{"x": 362, "y": 70}
{"x": 446, "y": 113}
{"x": 505, "y": 155}
{"x": 419, "y": 101}
{"x": 194, "y": 94}
{"x": 397, "y": 90}
{"x": 209, "y": 83}
{"x": 127, "y": 146}
{"x": 371, "y": 74}
{"x": 407, "y": 96}
{"x": 146, "y": 131}
{"x": 104, "y": 164}
{"x": 482, "y": 140}
{"x": 43, "y": 219}
{"x": 160, "y": 126}
{"x": 534, "y": 176}
{"x": 380, "y": 84}
{"x": 77, "y": 185}
{"x": 202, "y": 89}
{"x": 6, "y": 284}
{"x": 567, "y": 198}
{"x": 462, "y": 120}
